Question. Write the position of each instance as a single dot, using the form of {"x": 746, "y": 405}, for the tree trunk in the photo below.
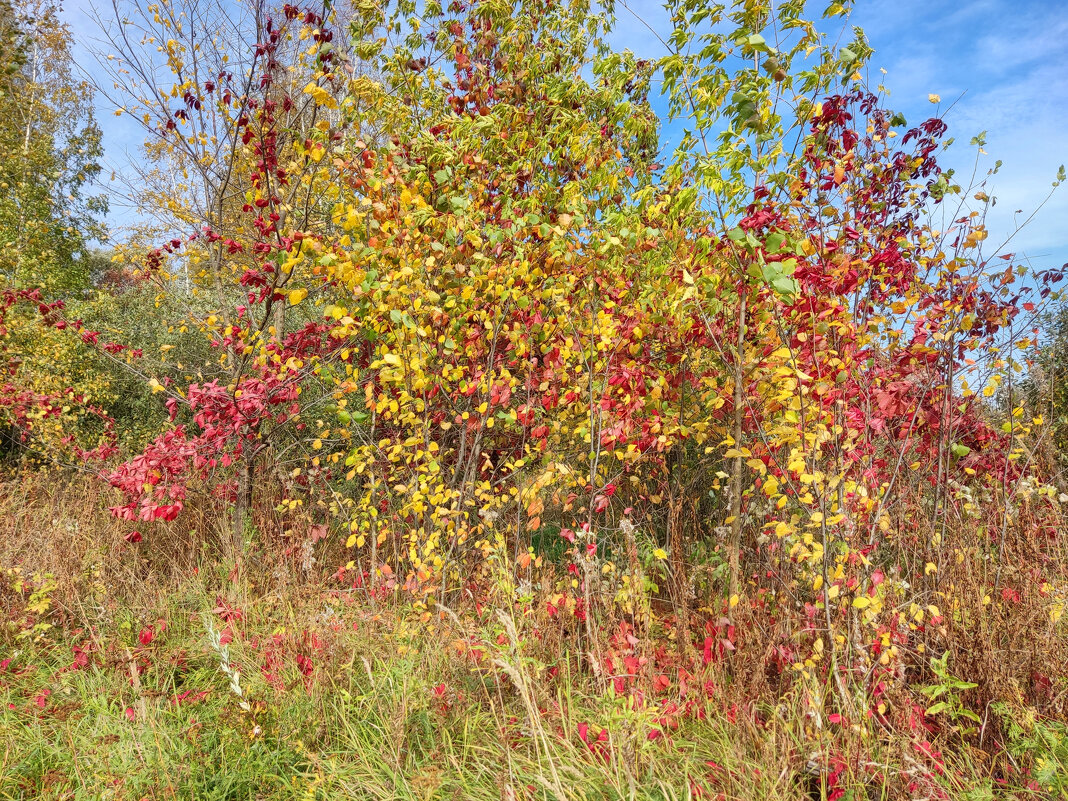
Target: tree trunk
{"x": 242, "y": 508}
{"x": 734, "y": 552}
{"x": 676, "y": 536}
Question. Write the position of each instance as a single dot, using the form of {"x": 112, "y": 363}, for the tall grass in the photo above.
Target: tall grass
{"x": 119, "y": 662}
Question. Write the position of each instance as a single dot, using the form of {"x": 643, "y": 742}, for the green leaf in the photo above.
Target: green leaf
{"x": 402, "y": 318}
{"x": 785, "y": 286}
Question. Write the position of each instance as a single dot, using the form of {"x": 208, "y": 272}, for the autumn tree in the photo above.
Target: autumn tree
{"x": 54, "y": 390}
{"x": 48, "y": 216}
{"x": 250, "y": 129}
{"x": 502, "y": 319}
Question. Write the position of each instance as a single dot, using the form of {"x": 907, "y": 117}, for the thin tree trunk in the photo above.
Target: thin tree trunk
{"x": 734, "y": 552}
{"x": 242, "y": 507}
{"x": 681, "y": 581}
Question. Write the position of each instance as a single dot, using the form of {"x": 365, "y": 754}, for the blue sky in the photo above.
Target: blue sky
{"x": 1010, "y": 61}
{"x": 1006, "y": 61}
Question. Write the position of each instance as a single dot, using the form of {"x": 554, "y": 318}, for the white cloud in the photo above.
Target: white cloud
{"x": 1003, "y": 61}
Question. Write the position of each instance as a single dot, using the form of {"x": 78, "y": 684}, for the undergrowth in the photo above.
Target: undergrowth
{"x": 129, "y": 672}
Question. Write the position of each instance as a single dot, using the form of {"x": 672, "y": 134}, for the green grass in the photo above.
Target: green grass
{"x": 369, "y": 722}
{"x": 369, "y": 725}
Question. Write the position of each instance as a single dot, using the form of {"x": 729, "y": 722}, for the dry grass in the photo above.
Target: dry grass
{"x": 345, "y": 697}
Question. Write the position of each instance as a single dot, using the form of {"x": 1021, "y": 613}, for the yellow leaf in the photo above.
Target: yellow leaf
{"x": 861, "y": 602}
{"x": 322, "y": 97}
